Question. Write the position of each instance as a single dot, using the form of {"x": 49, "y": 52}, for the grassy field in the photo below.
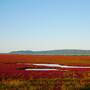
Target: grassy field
{"x": 46, "y": 83}
{"x": 68, "y": 60}
{"x": 14, "y": 76}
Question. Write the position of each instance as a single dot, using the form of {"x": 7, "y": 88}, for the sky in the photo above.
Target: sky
{"x": 44, "y": 24}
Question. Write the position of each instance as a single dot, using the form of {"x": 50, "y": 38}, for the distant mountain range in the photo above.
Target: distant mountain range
{"x": 53, "y": 52}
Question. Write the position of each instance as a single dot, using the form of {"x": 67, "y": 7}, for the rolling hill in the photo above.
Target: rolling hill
{"x": 53, "y": 52}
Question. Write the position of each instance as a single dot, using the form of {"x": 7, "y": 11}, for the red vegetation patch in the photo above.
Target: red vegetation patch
{"x": 53, "y": 59}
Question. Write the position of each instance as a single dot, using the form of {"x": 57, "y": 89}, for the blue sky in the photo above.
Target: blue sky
{"x": 44, "y": 24}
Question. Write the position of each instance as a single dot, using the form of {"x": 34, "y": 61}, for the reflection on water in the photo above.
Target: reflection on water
{"x": 61, "y": 66}
{"x": 40, "y": 69}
